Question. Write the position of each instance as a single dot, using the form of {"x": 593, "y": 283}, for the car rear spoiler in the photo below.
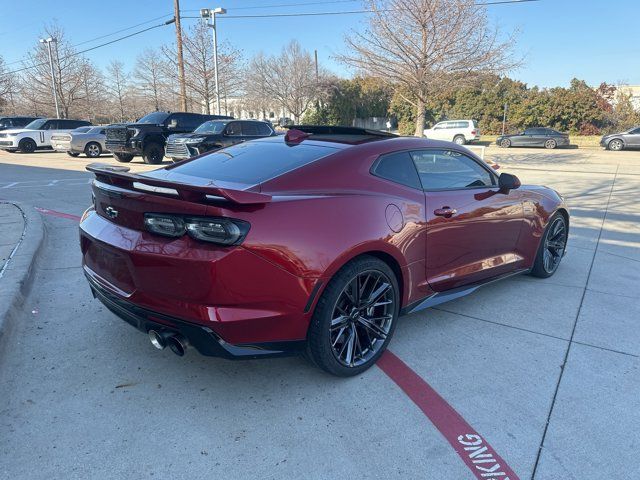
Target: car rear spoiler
{"x": 118, "y": 176}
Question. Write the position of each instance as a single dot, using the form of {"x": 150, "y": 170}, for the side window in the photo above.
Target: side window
{"x": 463, "y": 125}
{"x": 263, "y": 129}
{"x": 249, "y": 129}
{"x": 440, "y": 126}
{"x": 190, "y": 122}
{"x": 51, "y": 125}
{"x": 399, "y": 168}
{"x": 233, "y": 129}
{"x": 533, "y": 131}
{"x": 446, "y": 169}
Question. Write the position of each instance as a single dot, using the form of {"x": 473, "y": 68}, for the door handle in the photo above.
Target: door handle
{"x": 446, "y": 212}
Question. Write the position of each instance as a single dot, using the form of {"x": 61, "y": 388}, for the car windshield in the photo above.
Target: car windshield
{"x": 154, "y": 118}
{"x": 253, "y": 162}
{"x": 211, "y": 126}
{"x": 36, "y": 124}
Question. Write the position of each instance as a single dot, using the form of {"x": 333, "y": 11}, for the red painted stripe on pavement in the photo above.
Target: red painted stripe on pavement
{"x": 53, "y": 213}
{"x": 471, "y": 447}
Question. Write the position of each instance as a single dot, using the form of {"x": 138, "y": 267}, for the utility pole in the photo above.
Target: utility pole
{"x": 49, "y": 41}
{"x": 181, "y": 79}
{"x": 504, "y": 118}
{"x": 210, "y": 13}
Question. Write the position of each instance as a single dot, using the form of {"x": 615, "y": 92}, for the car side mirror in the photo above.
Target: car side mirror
{"x": 173, "y": 123}
{"x": 507, "y": 182}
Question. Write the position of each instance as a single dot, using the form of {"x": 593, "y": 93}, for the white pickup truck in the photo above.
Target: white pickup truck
{"x": 37, "y": 134}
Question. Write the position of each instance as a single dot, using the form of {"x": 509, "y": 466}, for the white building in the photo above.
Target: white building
{"x": 240, "y": 108}
{"x": 633, "y": 91}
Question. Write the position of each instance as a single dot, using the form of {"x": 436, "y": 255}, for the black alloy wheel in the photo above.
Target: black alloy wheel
{"x": 27, "y": 145}
{"x": 123, "y": 157}
{"x": 153, "y": 154}
{"x": 355, "y": 317}
{"x": 552, "y": 248}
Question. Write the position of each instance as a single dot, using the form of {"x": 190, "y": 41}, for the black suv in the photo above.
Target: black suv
{"x": 148, "y": 135}
{"x": 15, "y": 122}
{"x": 215, "y": 134}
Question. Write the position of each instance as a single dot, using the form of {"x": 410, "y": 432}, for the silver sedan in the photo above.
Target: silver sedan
{"x": 90, "y": 142}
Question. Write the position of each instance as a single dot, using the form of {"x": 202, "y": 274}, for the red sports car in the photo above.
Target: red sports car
{"x": 314, "y": 242}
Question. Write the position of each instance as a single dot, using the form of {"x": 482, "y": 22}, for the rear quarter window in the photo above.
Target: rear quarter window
{"x": 399, "y": 168}
{"x": 252, "y": 162}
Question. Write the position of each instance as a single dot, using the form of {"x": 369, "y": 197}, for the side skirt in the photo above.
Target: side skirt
{"x": 448, "y": 295}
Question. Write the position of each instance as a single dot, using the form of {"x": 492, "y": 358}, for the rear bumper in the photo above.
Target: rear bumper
{"x": 203, "y": 339}
{"x": 232, "y": 292}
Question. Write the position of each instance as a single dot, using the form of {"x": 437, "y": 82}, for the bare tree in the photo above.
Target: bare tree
{"x": 70, "y": 72}
{"x": 151, "y": 78}
{"x": 199, "y": 71}
{"x": 9, "y": 88}
{"x": 289, "y": 79}
{"x": 93, "y": 105}
{"x": 116, "y": 85}
{"x": 426, "y": 46}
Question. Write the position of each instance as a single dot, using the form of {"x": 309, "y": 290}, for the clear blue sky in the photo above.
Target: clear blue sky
{"x": 560, "y": 39}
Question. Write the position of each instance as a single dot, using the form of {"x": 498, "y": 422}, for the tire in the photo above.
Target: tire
{"x": 548, "y": 258}
{"x": 93, "y": 150}
{"x": 505, "y": 143}
{"x": 550, "y": 144}
{"x": 459, "y": 140}
{"x": 27, "y": 145}
{"x": 123, "y": 157}
{"x": 337, "y": 325}
{"x": 73, "y": 154}
{"x": 615, "y": 145}
{"x": 153, "y": 154}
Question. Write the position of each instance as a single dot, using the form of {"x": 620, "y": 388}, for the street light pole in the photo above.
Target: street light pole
{"x": 504, "y": 118}
{"x": 211, "y": 13}
{"x": 49, "y": 41}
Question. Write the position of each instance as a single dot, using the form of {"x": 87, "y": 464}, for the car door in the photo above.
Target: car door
{"x": 48, "y": 129}
{"x": 249, "y": 131}
{"x": 632, "y": 139}
{"x": 232, "y": 134}
{"x": 439, "y": 131}
{"x": 472, "y": 226}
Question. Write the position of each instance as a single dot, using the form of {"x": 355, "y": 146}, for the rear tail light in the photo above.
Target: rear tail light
{"x": 221, "y": 231}
{"x": 474, "y": 132}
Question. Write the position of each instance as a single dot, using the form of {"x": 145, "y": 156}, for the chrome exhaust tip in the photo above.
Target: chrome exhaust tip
{"x": 158, "y": 339}
{"x": 178, "y": 345}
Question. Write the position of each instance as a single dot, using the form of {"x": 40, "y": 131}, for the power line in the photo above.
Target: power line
{"x": 349, "y": 12}
{"x": 104, "y": 36}
{"x": 282, "y": 5}
{"x": 80, "y": 52}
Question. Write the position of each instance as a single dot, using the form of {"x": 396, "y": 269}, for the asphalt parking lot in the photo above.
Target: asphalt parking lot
{"x": 545, "y": 372}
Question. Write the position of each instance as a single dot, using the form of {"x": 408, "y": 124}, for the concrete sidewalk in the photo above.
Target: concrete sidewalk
{"x": 21, "y": 234}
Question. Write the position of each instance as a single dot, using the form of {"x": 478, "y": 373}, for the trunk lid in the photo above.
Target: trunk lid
{"x": 123, "y": 198}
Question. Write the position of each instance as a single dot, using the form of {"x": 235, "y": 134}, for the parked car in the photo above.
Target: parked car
{"x": 148, "y": 135}
{"x": 213, "y": 135}
{"x": 7, "y": 123}
{"x": 619, "y": 141}
{"x": 456, "y": 131}
{"x": 314, "y": 241}
{"x": 87, "y": 140}
{"x": 535, "y": 137}
{"x": 37, "y": 135}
